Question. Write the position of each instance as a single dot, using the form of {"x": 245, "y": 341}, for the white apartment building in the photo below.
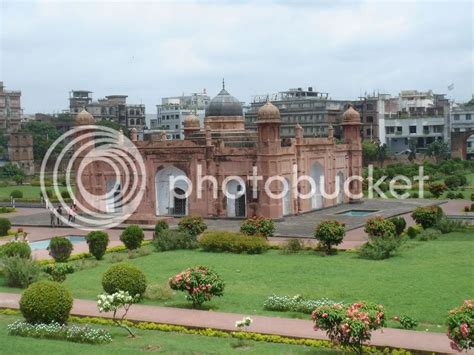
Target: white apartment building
{"x": 462, "y": 120}
{"x": 173, "y": 110}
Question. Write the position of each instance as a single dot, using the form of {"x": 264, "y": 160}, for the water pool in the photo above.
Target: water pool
{"x": 356, "y": 213}
{"x": 43, "y": 244}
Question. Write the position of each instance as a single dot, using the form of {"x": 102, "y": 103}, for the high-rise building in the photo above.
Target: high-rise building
{"x": 170, "y": 115}
{"x": 314, "y": 111}
{"x": 111, "y": 108}
{"x": 462, "y": 130}
{"x": 413, "y": 120}
{"x": 10, "y": 109}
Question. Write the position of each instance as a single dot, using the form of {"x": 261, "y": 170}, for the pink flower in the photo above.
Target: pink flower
{"x": 324, "y": 315}
{"x": 464, "y": 328}
{"x": 455, "y": 346}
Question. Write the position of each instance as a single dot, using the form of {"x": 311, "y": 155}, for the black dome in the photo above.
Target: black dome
{"x": 224, "y": 104}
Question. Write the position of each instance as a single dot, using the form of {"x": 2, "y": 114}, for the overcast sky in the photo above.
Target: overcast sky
{"x": 152, "y": 49}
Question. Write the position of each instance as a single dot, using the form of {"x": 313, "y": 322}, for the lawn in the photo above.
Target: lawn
{"x": 29, "y": 192}
{"x": 146, "y": 341}
{"x": 425, "y": 280}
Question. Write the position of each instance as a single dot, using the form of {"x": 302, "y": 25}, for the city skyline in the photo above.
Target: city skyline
{"x": 346, "y": 49}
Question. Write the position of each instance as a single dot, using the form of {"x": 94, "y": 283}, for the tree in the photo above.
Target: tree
{"x": 44, "y": 134}
{"x": 114, "y": 125}
{"x": 381, "y": 154}
{"x": 369, "y": 152}
{"x": 439, "y": 150}
{"x": 10, "y": 170}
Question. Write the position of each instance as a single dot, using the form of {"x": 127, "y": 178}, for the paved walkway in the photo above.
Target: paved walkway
{"x": 296, "y": 328}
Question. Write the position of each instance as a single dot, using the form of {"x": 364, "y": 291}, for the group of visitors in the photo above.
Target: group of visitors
{"x": 56, "y": 214}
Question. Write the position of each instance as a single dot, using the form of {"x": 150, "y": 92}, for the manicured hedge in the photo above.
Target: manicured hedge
{"x": 222, "y": 241}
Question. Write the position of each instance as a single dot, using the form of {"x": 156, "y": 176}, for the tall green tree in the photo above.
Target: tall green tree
{"x": 369, "y": 152}
{"x": 439, "y": 150}
{"x": 44, "y": 134}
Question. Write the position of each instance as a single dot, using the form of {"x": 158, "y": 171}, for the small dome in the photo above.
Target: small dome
{"x": 191, "y": 121}
{"x": 84, "y": 118}
{"x": 268, "y": 112}
{"x": 224, "y": 104}
{"x": 351, "y": 115}
{"x": 134, "y": 130}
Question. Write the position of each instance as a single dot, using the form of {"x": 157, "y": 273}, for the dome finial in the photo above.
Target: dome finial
{"x": 223, "y": 84}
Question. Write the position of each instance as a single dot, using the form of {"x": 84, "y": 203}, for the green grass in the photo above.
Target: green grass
{"x": 425, "y": 280}
{"x": 146, "y": 341}
{"x": 29, "y": 192}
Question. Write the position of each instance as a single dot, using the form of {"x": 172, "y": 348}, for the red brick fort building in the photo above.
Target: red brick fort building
{"x": 224, "y": 149}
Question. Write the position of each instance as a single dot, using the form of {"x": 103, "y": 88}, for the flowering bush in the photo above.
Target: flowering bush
{"x": 57, "y": 331}
{"x": 349, "y": 325}
{"x": 116, "y": 301}
{"x": 258, "y": 226}
{"x": 460, "y": 323}
{"x": 192, "y": 225}
{"x": 379, "y": 227}
{"x": 295, "y": 304}
{"x": 383, "y": 239}
{"x": 244, "y": 323}
{"x": 199, "y": 282}
{"x": 330, "y": 233}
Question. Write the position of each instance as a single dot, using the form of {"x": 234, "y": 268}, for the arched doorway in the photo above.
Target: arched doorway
{"x": 113, "y": 203}
{"x": 462, "y": 144}
{"x": 286, "y": 205}
{"x": 317, "y": 173}
{"x": 171, "y": 200}
{"x": 340, "y": 184}
{"x": 236, "y": 205}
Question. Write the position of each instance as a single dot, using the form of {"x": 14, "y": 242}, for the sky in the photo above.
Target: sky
{"x": 153, "y": 49}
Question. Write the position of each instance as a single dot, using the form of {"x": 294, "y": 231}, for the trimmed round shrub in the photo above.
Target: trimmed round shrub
{"x": 20, "y": 249}
{"x": 124, "y": 277}
{"x": 16, "y": 194}
{"x": 97, "y": 241}
{"x": 427, "y": 216}
{"x": 192, "y": 225}
{"x": 60, "y": 249}
{"x": 46, "y": 302}
{"x": 330, "y": 233}
{"x": 437, "y": 188}
{"x": 399, "y": 223}
{"x": 5, "y": 226}
{"x": 132, "y": 237}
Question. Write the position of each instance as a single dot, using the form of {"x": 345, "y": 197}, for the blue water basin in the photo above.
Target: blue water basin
{"x": 356, "y": 213}
{"x": 43, "y": 244}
